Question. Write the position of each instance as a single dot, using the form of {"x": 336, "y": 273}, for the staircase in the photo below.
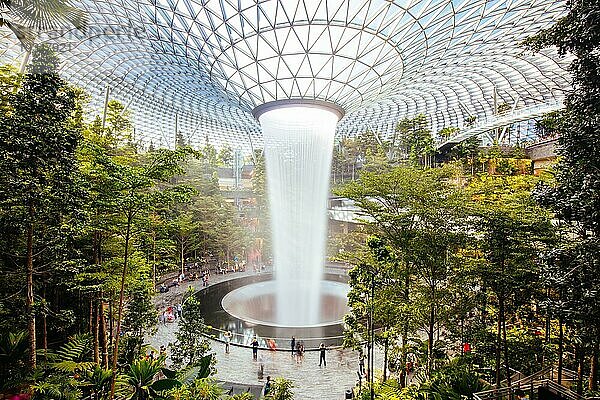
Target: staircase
{"x": 544, "y": 381}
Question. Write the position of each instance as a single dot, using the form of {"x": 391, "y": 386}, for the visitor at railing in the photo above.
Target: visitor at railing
{"x": 322, "y": 350}
{"x": 293, "y": 345}
{"x": 254, "y": 348}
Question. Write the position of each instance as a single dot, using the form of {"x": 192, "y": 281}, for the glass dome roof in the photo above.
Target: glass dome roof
{"x": 211, "y": 62}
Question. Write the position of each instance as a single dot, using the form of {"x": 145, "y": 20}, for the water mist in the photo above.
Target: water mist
{"x": 298, "y": 149}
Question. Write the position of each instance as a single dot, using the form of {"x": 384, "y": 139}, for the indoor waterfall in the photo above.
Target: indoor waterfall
{"x": 298, "y": 149}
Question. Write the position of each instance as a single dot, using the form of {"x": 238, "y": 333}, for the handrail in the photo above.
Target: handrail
{"x": 280, "y": 344}
{"x": 542, "y": 378}
{"x": 563, "y": 391}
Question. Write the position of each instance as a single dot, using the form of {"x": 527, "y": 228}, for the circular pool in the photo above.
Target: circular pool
{"x": 246, "y": 307}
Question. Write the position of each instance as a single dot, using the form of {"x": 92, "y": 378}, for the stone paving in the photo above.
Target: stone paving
{"x": 310, "y": 380}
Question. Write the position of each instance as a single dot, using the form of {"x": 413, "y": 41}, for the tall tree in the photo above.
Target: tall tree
{"x": 38, "y": 183}
{"x": 415, "y": 136}
{"x": 576, "y": 195}
{"x": 418, "y": 213}
{"x": 511, "y": 229}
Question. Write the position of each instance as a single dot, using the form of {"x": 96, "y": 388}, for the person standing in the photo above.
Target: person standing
{"x": 361, "y": 363}
{"x": 293, "y": 345}
{"x": 267, "y": 386}
{"x": 322, "y": 355}
{"x": 227, "y": 341}
{"x": 179, "y": 310}
{"x": 254, "y": 348}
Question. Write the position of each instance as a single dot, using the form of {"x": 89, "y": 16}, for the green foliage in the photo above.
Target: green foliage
{"x": 454, "y": 381}
{"x": 40, "y": 190}
{"x": 190, "y": 346}
{"x": 74, "y": 356}
{"x": 417, "y": 140}
{"x": 549, "y": 125}
{"x": 97, "y": 382}
{"x": 13, "y": 354}
{"x": 281, "y": 389}
{"x": 225, "y": 156}
{"x": 572, "y": 268}
{"x": 448, "y": 131}
{"x": 466, "y": 152}
{"x": 141, "y": 376}
{"x": 418, "y": 217}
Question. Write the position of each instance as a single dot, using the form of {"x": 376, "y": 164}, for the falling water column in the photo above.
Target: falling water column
{"x": 298, "y": 137}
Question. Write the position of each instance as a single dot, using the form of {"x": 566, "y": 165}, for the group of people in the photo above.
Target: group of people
{"x": 194, "y": 276}
{"x": 182, "y": 277}
{"x": 171, "y": 313}
{"x": 296, "y": 348}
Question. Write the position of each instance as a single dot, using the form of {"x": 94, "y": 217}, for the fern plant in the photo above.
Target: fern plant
{"x": 74, "y": 356}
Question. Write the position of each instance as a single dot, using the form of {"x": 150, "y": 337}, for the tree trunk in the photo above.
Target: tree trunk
{"x": 405, "y": 332}
{"x": 579, "y": 356}
{"x": 561, "y": 344}
{"x": 430, "y": 334}
{"x": 483, "y": 310}
{"x": 95, "y": 330}
{"x": 91, "y": 318}
{"x": 182, "y": 256}
{"x": 25, "y": 61}
{"x": 29, "y": 301}
{"x": 499, "y": 342}
{"x": 45, "y": 337}
{"x": 121, "y": 301}
{"x": 103, "y": 335}
{"x": 593, "y": 383}
{"x": 154, "y": 259}
{"x": 385, "y": 357}
{"x": 505, "y": 347}
{"x": 110, "y": 323}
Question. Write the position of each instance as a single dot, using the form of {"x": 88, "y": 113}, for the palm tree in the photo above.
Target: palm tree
{"x": 25, "y": 18}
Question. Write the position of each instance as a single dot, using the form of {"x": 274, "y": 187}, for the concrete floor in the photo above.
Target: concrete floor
{"x": 310, "y": 380}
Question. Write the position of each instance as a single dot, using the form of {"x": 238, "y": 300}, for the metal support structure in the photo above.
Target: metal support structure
{"x": 126, "y": 106}
{"x": 106, "y": 94}
{"x": 25, "y": 61}
{"x": 176, "y": 129}
{"x": 495, "y": 113}
{"x": 512, "y": 110}
{"x": 465, "y": 108}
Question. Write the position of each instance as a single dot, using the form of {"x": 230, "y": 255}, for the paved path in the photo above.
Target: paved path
{"x": 310, "y": 380}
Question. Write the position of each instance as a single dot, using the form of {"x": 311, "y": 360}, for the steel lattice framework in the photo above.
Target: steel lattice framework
{"x": 210, "y": 62}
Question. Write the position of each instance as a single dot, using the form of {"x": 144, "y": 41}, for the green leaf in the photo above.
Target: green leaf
{"x": 165, "y": 384}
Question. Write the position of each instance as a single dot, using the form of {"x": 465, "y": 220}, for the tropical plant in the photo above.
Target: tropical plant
{"x": 281, "y": 389}
{"x": 39, "y": 184}
{"x": 190, "y": 346}
{"x": 575, "y": 195}
{"x": 141, "y": 376}
{"x": 26, "y": 18}
{"x": 13, "y": 354}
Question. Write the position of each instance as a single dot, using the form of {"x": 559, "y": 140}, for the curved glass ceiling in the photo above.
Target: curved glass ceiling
{"x": 210, "y": 62}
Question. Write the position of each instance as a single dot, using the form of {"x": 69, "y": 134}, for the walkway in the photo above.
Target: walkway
{"x": 498, "y": 121}
{"x": 310, "y": 380}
